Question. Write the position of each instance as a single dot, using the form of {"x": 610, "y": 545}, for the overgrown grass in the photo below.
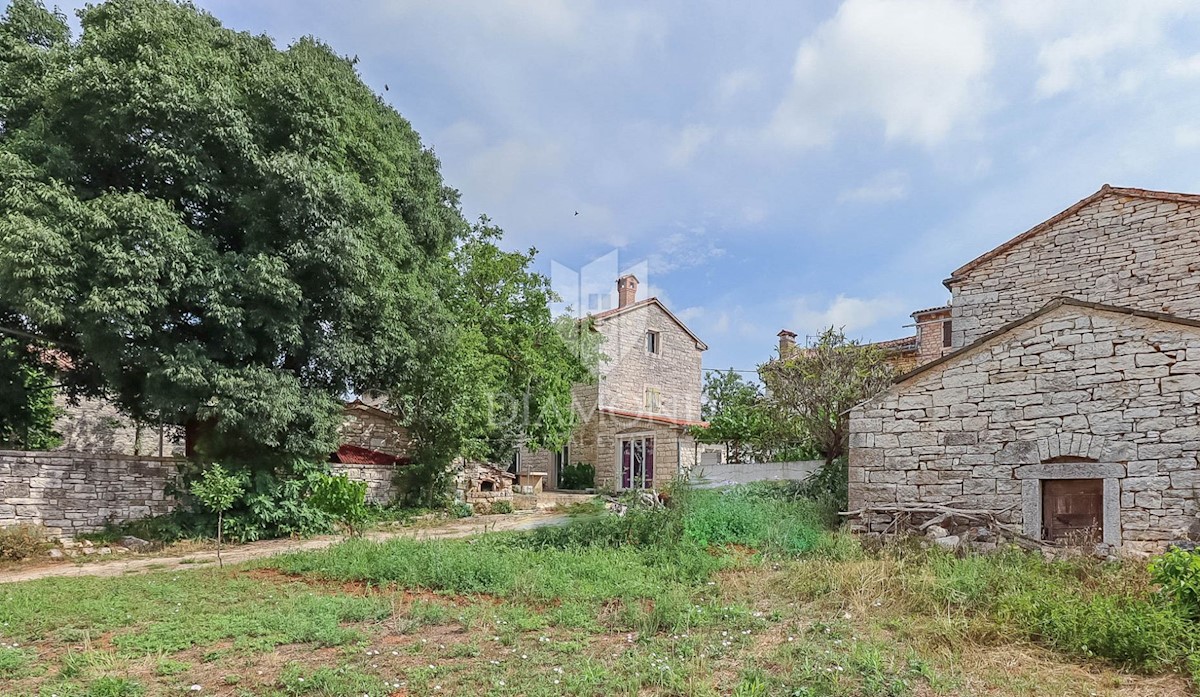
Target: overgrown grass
{"x": 745, "y": 591}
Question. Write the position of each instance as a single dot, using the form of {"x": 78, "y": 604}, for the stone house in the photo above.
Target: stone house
{"x": 1068, "y": 400}
{"x": 634, "y": 421}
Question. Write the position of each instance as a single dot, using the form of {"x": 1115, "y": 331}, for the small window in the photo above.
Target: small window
{"x": 653, "y": 398}
{"x": 946, "y": 333}
{"x": 652, "y": 345}
{"x": 514, "y": 467}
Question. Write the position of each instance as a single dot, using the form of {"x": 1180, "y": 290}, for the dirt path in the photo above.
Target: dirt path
{"x": 465, "y": 527}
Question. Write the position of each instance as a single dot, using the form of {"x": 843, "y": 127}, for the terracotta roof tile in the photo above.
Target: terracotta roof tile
{"x": 657, "y": 418}
{"x": 356, "y": 455}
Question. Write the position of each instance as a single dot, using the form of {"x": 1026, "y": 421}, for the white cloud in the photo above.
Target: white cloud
{"x": 916, "y": 65}
{"x": 883, "y": 187}
{"x": 736, "y": 83}
{"x": 690, "y": 140}
{"x": 683, "y": 249}
{"x": 848, "y": 313}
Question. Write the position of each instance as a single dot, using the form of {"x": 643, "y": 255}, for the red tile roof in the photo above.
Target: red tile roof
{"x": 908, "y": 343}
{"x": 1041, "y": 227}
{"x": 357, "y": 455}
{"x": 657, "y": 418}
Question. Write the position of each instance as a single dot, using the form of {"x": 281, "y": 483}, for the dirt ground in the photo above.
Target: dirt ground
{"x": 464, "y": 527}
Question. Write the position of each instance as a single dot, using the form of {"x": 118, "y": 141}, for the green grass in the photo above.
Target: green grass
{"x": 725, "y": 593}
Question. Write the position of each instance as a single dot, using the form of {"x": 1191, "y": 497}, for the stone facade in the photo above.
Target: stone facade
{"x": 674, "y": 370}
{"x": 1076, "y": 390}
{"x": 73, "y": 493}
{"x": 380, "y": 479}
{"x": 639, "y": 392}
{"x": 1119, "y": 247}
{"x": 95, "y": 426}
{"x": 372, "y": 427}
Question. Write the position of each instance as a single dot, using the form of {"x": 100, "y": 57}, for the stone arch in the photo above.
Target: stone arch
{"x": 1084, "y": 446}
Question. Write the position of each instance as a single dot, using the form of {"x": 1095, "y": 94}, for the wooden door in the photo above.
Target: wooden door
{"x": 1073, "y": 509}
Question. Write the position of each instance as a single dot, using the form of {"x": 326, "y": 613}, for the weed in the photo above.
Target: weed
{"x": 19, "y": 542}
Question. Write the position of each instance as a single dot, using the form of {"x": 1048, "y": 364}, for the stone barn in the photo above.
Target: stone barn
{"x": 1069, "y": 400}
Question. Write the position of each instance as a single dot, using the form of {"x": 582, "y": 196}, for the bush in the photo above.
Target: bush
{"x": 578, "y": 476}
{"x": 502, "y": 507}
{"x": 461, "y": 509}
{"x": 1178, "y": 573}
{"x": 344, "y": 499}
{"x": 21, "y": 542}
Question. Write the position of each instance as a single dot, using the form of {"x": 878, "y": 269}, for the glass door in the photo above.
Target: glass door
{"x": 637, "y": 462}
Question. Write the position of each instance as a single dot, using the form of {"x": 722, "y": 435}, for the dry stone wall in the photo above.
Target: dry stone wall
{"x": 72, "y": 493}
{"x": 95, "y": 426}
{"x": 1076, "y": 392}
{"x": 1118, "y": 250}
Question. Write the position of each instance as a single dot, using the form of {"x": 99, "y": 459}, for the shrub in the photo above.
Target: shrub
{"x": 578, "y": 476}
{"x": 502, "y": 507}
{"x": 461, "y": 509}
{"x": 1178, "y": 572}
{"x": 21, "y": 542}
{"x": 344, "y": 499}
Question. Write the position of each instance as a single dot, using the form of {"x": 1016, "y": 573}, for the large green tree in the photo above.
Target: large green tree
{"x": 216, "y": 232}
{"x": 27, "y": 409}
{"x": 501, "y": 374}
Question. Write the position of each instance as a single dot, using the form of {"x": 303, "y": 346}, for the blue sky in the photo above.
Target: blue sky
{"x": 776, "y": 164}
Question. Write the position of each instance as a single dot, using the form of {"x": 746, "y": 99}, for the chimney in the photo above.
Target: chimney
{"x": 787, "y": 342}
{"x": 626, "y": 290}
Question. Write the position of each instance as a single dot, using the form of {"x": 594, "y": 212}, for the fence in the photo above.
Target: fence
{"x": 725, "y": 474}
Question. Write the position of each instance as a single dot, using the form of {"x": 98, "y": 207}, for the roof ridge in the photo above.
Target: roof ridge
{"x": 1049, "y": 307}
{"x": 1104, "y": 190}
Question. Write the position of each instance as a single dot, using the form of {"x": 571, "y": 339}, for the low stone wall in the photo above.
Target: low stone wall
{"x": 71, "y": 492}
{"x": 379, "y": 479}
{"x": 725, "y": 474}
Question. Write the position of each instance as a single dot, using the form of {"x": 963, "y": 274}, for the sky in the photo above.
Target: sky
{"x": 773, "y": 164}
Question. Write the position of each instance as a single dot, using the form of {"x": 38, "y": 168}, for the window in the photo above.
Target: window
{"x": 652, "y": 345}
{"x": 515, "y": 466}
{"x": 653, "y": 399}
{"x": 946, "y": 333}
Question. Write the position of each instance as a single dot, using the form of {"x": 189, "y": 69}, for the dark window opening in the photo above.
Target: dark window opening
{"x": 652, "y": 342}
{"x": 1073, "y": 510}
{"x": 946, "y": 333}
{"x": 487, "y": 486}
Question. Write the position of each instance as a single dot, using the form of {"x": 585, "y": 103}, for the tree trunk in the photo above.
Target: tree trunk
{"x": 220, "y": 525}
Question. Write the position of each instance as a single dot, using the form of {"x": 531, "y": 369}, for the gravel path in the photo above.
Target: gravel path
{"x": 465, "y": 527}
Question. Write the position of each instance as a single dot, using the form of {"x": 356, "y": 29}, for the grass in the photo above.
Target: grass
{"x": 740, "y": 593}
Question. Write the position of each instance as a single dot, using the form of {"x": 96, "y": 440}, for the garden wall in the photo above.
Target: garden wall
{"x": 725, "y": 474}
{"x": 71, "y": 492}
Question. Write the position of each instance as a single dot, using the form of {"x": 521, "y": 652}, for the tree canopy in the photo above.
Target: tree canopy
{"x": 230, "y": 236}
{"x": 818, "y": 385}
{"x": 215, "y": 231}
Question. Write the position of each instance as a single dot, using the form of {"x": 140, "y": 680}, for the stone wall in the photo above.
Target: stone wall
{"x": 72, "y": 493}
{"x": 375, "y": 429}
{"x": 629, "y": 369}
{"x": 708, "y": 476}
{"x": 379, "y": 479}
{"x": 1118, "y": 250}
{"x": 985, "y": 427}
{"x": 674, "y": 451}
{"x": 95, "y": 426}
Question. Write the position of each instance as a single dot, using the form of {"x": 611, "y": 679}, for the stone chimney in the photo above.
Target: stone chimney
{"x": 787, "y": 343}
{"x": 626, "y": 290}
